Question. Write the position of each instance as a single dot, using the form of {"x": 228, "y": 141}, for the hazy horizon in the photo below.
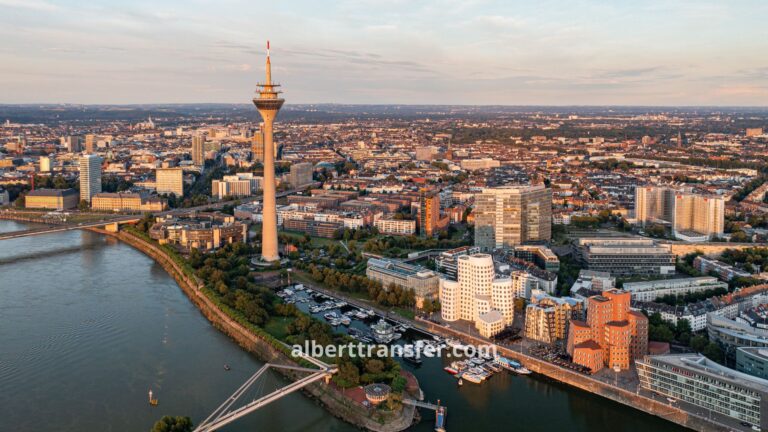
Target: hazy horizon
{"x": 469, "y": 52}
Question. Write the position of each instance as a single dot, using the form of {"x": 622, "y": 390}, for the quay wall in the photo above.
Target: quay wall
{"x": 590, "y": 384}
{"x": 329, "y": 397}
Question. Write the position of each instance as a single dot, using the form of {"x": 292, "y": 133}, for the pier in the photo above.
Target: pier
{"x": 441, "y": 412}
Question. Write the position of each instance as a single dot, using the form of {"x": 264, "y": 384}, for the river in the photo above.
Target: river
{"x": 88, "y": 325}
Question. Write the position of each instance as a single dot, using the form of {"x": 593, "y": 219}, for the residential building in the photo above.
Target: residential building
{"x": 46, "y": 163}
{"x": 387, "y": 225}
{"x": 649, "y": 291}
{"x": 478, "y": 296}
{"x": 314, "y": 228}
{"x": 170, "y": 181}
{"x": 90, "y": 176}
{"x": 626, "y": 256}
{"x": 424, "y": 282}
{"x": 693, "y": 217}
{"x": 90, "y": 143}
{"x": 724, "y": 271}
{"x": 694, "y": 379}
{"x": 72, "y": 143}
{"x": 54, "y": 199}
{"x": 511, "y": 215}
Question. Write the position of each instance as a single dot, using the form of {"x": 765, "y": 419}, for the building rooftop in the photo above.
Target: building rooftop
{"x": 706, "y": 366}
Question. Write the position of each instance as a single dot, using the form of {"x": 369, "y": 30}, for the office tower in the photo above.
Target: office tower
{"x": 429, "y": 213}
{"x": 268, "y": 103}
{"x": 90, "y": 143}
{"x": 257, "y": 144}
{"x": 510, "y": 215}
{"x": 478, "y": 296}
{"x": 90, "y": 176}
{"x": 198, "y": 158}
{"x": 612, "y": 336}
{"x": 46, "y": 163}
{"x": 693, "y": 217}
{"x": 679, "y": 139}
{"x": 170, "y": 181}
{"x": 72, "y": 143}
{"x": 301, "y": 174}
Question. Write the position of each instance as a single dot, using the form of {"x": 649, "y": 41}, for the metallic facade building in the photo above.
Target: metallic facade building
{"x": 511, "y": 215}
{"x": 694, "y": 379}
{"x": 268, "y": 103}
{"x": 90, "y": 176}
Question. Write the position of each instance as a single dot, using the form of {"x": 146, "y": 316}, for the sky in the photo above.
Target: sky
{"x": 473, "y": 52}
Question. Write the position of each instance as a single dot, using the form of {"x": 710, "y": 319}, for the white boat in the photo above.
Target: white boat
{"x": 471, "y": 377}
{"x": 345, "y": 320}
{"x": 370, "y": 312}
{"x": 383, "y": 332}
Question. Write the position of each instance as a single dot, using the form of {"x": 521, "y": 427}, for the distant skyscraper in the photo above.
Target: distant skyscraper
{"x": 268, "y": 103}
{"x": 198, "y": 158}
{"x": 90, "y": 143}
{"x": 654, "y": 203}
{"x": 257, "y": 145}
{"x": 511, "y": 215}
{"x": 429, "y": 213}
{"x": 679, "y": 139}
{"x": 170, "y": 181}
{"x": 90, "y": 176}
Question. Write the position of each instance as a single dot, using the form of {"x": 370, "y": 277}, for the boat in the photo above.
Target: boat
{"x": 335, "y": 322}
{"x": 370, "y": 312}
{"x": 383, "y": 332}
{"x": 522, "y": 371}
{"x": 471, "y": 377}
{"x": 494, "y": 366}
{"x": 345, "y": 320}
{"x": 461, "y": 382}
{"x": 226, "y": 367}
{"x": 397, "y": 336}
{"x": 450, "y": 370}
{"x": 477, "y": 361}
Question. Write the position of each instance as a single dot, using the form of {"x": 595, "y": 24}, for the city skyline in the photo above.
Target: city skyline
{"x": 585, "y": 53}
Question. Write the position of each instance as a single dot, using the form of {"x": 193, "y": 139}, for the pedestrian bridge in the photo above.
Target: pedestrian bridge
{"x": 109, "y": 224}
{"x": 224, "y": 414}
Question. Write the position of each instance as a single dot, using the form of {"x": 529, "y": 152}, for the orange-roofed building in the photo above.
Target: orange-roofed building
{"x": 589, "y": 354}
{"x": 578, "y": 332}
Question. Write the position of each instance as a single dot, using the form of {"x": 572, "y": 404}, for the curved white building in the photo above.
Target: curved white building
{"x": 478, "y": 296}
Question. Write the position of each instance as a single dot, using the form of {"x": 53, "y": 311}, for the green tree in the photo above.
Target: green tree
{"x": 173, "y": 424}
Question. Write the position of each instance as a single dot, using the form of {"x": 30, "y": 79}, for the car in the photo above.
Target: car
{"x": 745, "y": 424}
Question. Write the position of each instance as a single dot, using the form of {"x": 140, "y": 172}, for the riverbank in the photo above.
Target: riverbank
{"x": 329, "y": 397}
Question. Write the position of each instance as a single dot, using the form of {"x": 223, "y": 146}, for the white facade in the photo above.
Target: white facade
{"x": 651, "y": 290}
{"x": 478, "y": 296}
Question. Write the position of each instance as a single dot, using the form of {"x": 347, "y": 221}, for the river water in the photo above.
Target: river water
{"x": 88, "y": 325}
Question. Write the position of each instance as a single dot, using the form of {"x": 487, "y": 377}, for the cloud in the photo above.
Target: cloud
{"x": 39, "y": 5}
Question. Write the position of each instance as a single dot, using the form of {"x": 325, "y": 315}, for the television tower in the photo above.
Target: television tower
{"x": 268, "y": 103}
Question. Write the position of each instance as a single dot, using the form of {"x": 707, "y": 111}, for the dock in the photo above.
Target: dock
{"x": 441, "y": 412}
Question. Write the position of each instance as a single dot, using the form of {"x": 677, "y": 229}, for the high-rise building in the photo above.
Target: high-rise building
{"x": 478, "y": 296}
{"x": 268, "y": 103}
{"x": 169, "y": 181}
{"x": 429, "y": 213}
{"x": 693, "y": 217}
{"x": 90, "y": 176}
{"x": 72, "y": 143}
{"x": 301, "y": 174}
{"x": 612, "y": 336}
{"x": 90, "y": 143}
{"x": 511, "y": 215}
{"x": 198, "y": 156}
{"x": 699, "y": 215}
{"x": 753, "y": 132}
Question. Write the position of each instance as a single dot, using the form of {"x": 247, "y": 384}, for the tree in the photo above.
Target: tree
{"x": 698, "y": 343}
{"x": 173, "y": 424}
{"x": 83, "y": 205}
{"x": 348, "y": 375}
